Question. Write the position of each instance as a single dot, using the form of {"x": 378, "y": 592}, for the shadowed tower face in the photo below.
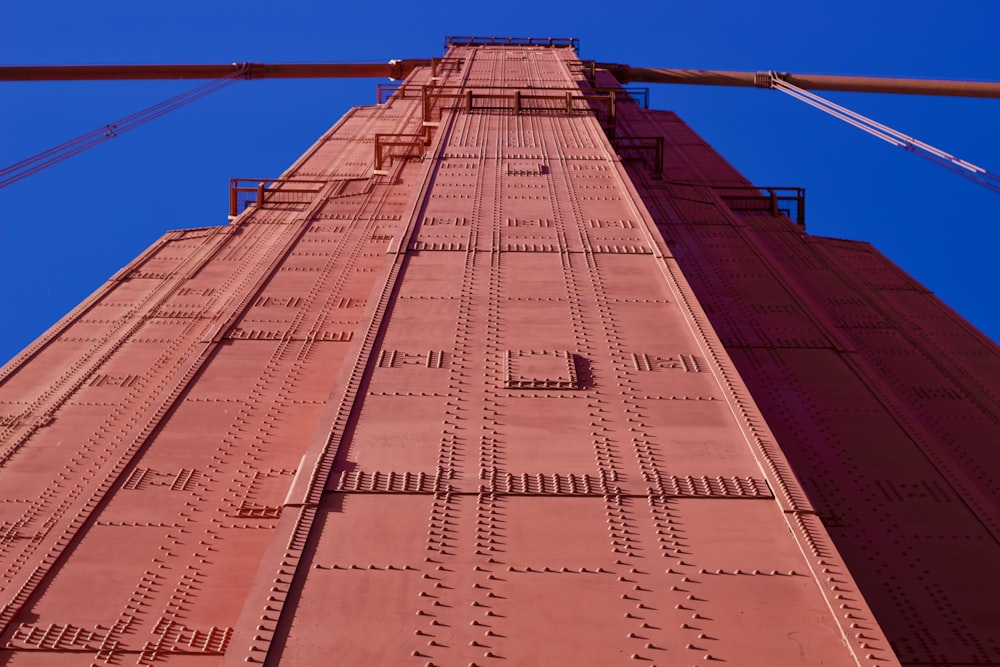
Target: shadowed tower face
{"x": 480, "y": 380}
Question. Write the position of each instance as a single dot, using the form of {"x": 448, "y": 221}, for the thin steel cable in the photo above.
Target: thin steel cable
{"x": 963, "y": 168}
{"x": 823, "y": 103}
{"x": 36, "y": 163}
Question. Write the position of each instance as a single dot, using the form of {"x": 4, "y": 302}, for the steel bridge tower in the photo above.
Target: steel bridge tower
{"x": 505, "y": 370}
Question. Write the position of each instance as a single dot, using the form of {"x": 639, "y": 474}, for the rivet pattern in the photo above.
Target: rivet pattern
{"x": 518, "y": 396}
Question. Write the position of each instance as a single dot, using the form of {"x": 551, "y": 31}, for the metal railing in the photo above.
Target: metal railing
{"x": 463, "y": 40}
{"x": 787, "y": 201}
{"x": 653, "y": 145}
{"x": 261, "y": 192}
{"x": 383, "y": 141}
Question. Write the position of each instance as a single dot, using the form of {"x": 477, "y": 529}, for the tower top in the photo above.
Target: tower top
{"x": 463, "y": 40}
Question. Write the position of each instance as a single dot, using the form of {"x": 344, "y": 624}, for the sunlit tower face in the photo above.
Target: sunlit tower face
{"x": 504, "y": 368}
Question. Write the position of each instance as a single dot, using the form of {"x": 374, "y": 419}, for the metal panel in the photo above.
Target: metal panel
{"x": 871, "y": 387}
{"x": 463, "y": 401}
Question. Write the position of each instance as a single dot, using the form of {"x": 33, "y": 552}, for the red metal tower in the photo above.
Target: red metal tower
{"x": 506, "y": 369}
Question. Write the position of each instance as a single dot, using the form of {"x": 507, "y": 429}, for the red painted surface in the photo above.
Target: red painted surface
{"x": 502, "y": 404}
{"x": 884, "y": 401}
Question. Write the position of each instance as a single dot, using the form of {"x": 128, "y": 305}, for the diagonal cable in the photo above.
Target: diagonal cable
{"x": 36, "y": 163}
{"x": 963, "y": 168}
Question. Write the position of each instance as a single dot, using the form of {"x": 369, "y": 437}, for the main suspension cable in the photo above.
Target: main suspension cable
{"x": 963, "y": 168}
{"x": 36, "y": 163}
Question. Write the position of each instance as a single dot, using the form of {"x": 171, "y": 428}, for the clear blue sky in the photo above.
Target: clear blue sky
{"x": 66, "y": 230}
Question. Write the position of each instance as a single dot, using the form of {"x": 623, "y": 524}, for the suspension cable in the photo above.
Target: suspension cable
{"x": 963, "y": 168}
{"x": 36, "y": 163}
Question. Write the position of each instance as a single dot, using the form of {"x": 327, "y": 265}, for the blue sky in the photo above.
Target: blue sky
{"x": 66, "y": 230}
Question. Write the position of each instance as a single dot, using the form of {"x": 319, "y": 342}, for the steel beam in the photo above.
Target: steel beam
{"x": 861, "y": 84}
{"x": 396, "y": 70}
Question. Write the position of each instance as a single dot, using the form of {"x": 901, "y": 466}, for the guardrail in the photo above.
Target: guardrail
{"x": 261, "y": 192}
